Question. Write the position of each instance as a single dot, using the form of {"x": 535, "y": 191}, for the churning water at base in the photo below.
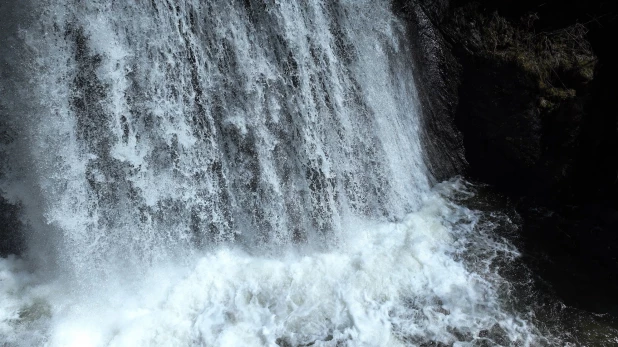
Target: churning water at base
{"x": 384, "y": 284}
{"x": 238, "y": 173}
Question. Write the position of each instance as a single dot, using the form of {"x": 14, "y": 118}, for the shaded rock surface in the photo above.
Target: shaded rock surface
{"x": 537, "y": 110}
{"x": 438, "y": 76}
{"x": 523, "y": 100}
{"x": 12, "y": 53}
{"x": 11, "y": 241}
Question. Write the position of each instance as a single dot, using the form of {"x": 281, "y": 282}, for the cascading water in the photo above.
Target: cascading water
{"x": 231, "y": 173}
{"x": 162, "y": 126}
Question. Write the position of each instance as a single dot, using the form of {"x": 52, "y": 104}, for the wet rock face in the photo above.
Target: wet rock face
{"x": 438, "y": 75}
{"x": 11, "y": 241}
{"x": 512, "y": 97}
{"x": 531, "y": 88}
{"x": 524, "y": 84}
{"x": 12, "y": 15}
{"x": 522, "y": 99}
{"x": 574, "y": 248}
{"x": 500, "y": 121}
{"x": 596, "y": 161}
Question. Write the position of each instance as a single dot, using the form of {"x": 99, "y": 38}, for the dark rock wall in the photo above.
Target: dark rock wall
{"x": 530, "y": 86}
{"x": 13, "y": 13}
{"x": 11, "y": 241}
{"x": 522, "y": 99}
{"x": 438, "y": 79}
{"x": 585, "y": 129}
{"x": 537, "y": 109}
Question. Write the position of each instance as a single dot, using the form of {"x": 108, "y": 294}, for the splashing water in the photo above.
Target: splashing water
{"x": 387, "y": 284}
{"x": 240, "y": 173}
{"x": 161, "y": 127}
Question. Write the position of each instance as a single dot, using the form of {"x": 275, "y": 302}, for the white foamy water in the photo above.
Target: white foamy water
{"x": 384, "y": 284}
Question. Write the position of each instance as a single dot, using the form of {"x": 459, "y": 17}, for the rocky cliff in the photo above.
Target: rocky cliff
{"x": 525, "y": 89}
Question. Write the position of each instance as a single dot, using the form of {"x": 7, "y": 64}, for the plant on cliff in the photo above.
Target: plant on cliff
{"x": 561, "y": 60}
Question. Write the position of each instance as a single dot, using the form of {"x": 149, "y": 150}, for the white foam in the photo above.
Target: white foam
{"x": 382, "y": 285}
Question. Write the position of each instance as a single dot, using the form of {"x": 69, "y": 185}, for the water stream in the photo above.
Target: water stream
{"x": 233, "y": 173}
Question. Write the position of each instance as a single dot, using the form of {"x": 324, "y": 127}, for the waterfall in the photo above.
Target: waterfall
{"x": 160, "y": 126}
{"x": 231, "y": 173}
